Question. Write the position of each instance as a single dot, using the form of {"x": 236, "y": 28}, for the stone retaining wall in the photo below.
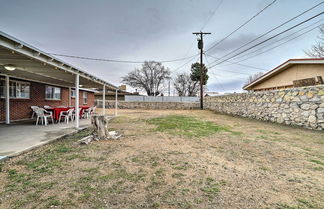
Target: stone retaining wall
{"x": 298, "y": 106}
{"x": 152, "y": 105}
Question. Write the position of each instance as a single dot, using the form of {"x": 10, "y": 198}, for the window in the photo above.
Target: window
{"x": 72, "y": 93}
{"x": 2, "y": 87}
{"x": 85, "y": 97}
{"x": 17, "y": 89}
{"x": 52, "y": 93}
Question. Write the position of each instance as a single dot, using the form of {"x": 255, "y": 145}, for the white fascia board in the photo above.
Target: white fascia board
{"x": 314, "y": 61}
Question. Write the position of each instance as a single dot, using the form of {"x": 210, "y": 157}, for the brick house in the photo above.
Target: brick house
{"x": 36, "y": 96}
{"x": 30, "y": 77}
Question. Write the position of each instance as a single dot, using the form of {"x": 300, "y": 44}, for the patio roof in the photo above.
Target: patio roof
{"x": 35, "y": 65}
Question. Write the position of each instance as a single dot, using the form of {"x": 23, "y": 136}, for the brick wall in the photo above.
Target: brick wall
{"x": 20, "y": 108}
{"x": 90, "y": 102}
{"x": 91, "y": 99}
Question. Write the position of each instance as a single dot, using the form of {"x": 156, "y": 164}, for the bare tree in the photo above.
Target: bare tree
{"x": 185, "y": 86}
{"x": 150, "y": 77}
{"x": 317, "y": 49}
{"x": 180, "y": 84}
{"x": 193, "y": 87}
{"x": 252, "y": 78}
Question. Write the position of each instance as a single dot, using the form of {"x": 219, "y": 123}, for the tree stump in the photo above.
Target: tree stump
{"x": 100, "y": 125}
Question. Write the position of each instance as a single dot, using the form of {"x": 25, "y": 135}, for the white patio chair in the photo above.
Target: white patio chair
{"x": 34, "y": 108}
{"x": 67, "y": 115}
{"x": 47, "y": 107}
{"x": 93, "y": 111}
{"x": 43, "y": 115}
{"x": 80, "y": 109}
{"x": 86, "y": 113}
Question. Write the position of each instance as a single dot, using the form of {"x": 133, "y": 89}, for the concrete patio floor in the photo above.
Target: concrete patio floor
{"x": 21, "y": 136}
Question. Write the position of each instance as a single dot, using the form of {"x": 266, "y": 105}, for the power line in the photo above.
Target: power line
{"x": 221, "y": 86}
{"x": 273, "y": 48}
{"x": 189, "y": 48}
{"x": 226, "y": 70}
{"x": 252, "y": 52}
{"x": 264, "y": 34}
{"x": 268, "y": 39}
{"x": 246, "y": 22}
{"x": 139, "y": 62}
{"x": 281, "y": 43}
{"x": 243, "y": 65}
{"x": 181, "y": 66}
{"x": 214, "y": 73}
{"x": 119, "y": 61}
{"x": 192, "y": 43}
{"x": 232, "y": 71}
{"x": 213, "y": 13}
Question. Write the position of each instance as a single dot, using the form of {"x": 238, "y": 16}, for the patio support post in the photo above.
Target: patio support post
{"x": 104, "y": 100}
{"x": 116, "y": 104}
{"x": 69, "y": 100}
{"x": 77, "y": 112}
{"x": 7, "y": 100}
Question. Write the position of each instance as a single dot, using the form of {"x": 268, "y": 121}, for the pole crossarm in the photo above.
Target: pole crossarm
{"x": 198, "y": 33}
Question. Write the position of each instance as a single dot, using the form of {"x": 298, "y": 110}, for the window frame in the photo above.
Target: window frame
{"x": 18, "y": 85}
{"x": 53, "y": 93}
{"x": 2, "y": 94}
{"x": 73, "y": 90}
{"x": 85, "y": 97}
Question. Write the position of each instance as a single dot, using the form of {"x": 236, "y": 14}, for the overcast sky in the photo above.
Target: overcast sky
{"x": 158, "y": 30}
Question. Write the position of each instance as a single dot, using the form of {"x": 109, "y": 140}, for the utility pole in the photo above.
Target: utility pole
{"x": 201, "y": 47}
{"x": 169, "y": 88}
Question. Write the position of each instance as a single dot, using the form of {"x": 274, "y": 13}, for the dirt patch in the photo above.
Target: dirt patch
{"x": 232, "y": 163}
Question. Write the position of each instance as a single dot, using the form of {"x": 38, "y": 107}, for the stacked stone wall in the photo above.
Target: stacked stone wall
{"x": 296, "y": 106}
{"x": 152, "y": 105}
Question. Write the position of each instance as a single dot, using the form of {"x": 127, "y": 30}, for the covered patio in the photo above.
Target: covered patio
{"x": 27, "y": 72}
{"x": 24, "y": 135}
{"x": 24, "y": 63}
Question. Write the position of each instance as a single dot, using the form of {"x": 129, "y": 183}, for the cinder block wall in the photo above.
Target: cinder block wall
{"x": 297, "y": 106}
{"x": 20, "y": 108}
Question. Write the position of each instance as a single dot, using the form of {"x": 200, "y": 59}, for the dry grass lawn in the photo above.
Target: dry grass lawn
{"x": 173, "y": 159}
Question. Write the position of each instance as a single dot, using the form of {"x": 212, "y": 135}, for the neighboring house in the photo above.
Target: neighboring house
{"x": 211, "y": 93}
{"x": 111, "y": 95}
{"x": 292, "y": 73}
{"x": 30, "y": 77}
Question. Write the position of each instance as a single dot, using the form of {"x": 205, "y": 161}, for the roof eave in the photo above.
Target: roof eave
{"x": 32, "y": 52}
{"x": 282, "y": 67}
